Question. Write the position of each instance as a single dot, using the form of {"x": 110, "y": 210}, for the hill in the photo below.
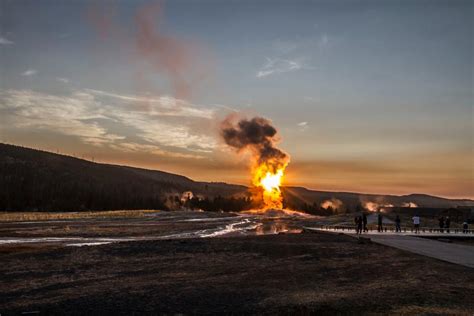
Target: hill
{"x": 37, "y": 180}
{"x": 352, "y": 200}
{"x": 32, "y": 180}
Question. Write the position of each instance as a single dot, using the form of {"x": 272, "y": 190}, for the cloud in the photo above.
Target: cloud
{"x": 4, "y": 41}
{"x": 308, "y": 99}
{"x": 276, "y": 65}
{"x": 29, "y": 72}
{"x": 112, "y": 120}
{"x": 152, "y": 149}
{"x": 63, "y": 80}
{"x": 289, "y": 54}
{"x": 163, "y": 105}
{"x": 25, "y": 109}
{"x": 303, "y": 126}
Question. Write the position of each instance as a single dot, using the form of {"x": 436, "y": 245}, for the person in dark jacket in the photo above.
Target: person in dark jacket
{"x": 447, "y": 223}
{"x": 465, "y": 227}
{"x": 380, "y": 223}
{"x": 398, "y": 228}
{"x": 364, "y": 221}
{"x": 359, "y": 225}
{"x": 441, "y": 224}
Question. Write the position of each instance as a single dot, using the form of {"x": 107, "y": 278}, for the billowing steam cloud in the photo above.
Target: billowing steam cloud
{"x": 333, "y": 203}
{"x": 164, "y": 53}
{"x": 257, "y": 135}
{"x": 181, "y": 61}
{"x": 376, "y": 207}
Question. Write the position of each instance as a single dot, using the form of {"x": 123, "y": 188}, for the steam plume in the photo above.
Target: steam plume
{"x": 164, "y": 53}
{"x": 257, "y": 135}
{"x": 333, "y": 203}
{"x": 181, "y": 61}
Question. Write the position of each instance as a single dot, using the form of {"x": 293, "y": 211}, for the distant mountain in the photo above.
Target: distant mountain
{"x": 351, "y": 200}
{"x": 38, "y": 180}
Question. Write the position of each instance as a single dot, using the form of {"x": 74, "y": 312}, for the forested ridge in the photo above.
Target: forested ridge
{"x": 35, "y": 180}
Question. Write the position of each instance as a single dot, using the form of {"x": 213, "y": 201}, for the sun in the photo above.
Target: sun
{"x": 266, "y": 177}
{"x": 272, "y": 181}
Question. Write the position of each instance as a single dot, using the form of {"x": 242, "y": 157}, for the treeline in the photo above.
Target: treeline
{"x": 316, "y": 209}
{"x": 37, "y": 189}
{"x": 32, "y": 180}
{"x": 313, "y": 209}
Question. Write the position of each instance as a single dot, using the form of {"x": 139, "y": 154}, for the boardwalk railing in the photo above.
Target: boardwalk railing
{"x": 404, "y": 229}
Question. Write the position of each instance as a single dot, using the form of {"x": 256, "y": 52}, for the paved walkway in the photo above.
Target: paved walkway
{"x": 454, "y": 253}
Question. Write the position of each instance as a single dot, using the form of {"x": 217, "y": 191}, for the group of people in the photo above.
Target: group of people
{"x": 444, "y": 224}
{"x": 361, "y": 224}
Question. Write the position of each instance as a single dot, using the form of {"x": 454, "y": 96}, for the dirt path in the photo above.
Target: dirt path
{"x": 450, "y": 252}
{"x": 454, "y": 253}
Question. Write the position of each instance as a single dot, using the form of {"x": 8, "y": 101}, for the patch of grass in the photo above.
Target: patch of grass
{"x": 45, "y": 216}
{"x": 432, "y": 310}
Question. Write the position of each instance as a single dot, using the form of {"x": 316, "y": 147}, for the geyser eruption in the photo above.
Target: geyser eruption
{"x": 259, "y": 137}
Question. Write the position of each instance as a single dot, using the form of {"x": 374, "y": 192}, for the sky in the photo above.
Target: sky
{"x": 367, "y": 96}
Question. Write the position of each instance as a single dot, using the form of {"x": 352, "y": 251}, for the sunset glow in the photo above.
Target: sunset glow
{"x": 372, "y": 97}
{"x": 270, "y": 183}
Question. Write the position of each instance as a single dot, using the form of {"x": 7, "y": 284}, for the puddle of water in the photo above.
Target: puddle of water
{"x": 243, "y": 224}
{"x": 98, "y": 243}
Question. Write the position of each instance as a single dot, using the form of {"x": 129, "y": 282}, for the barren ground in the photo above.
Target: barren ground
{"x": 287, "y": 273}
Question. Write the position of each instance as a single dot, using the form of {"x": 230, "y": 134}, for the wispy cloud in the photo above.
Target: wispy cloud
{"x": 163, "y": 105}
{"x": 293, "y": 54}
{"x": 94, "y": 118}
{"x": 29, "y": 72}
{"x": 277, "y": 65}
{"x": 63, "y": 80}
{"x": 4, "y": 41}
{"x": 26, "y": 109}
{"x": 309, "y": 99}
{"x": 303, "y": 126}
{"x": 151, "y": 149}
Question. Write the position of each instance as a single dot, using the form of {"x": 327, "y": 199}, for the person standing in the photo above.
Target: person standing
{"x": 359, "y": 225}
{"x": 416, "y": 223}
{"x": 380, "y": 223}
{"x": 398, "y": 228}
{"x": 447, "y": 223}
{"x": 465, "y": 227}
{"x": 364, "y": 221}
{"x": 441, "y": 224}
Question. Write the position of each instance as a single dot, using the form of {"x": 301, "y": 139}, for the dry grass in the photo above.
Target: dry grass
{"x": 302, "y": 274}
{"x": 45, "y": 216}
{"x": 432, "y": 310}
